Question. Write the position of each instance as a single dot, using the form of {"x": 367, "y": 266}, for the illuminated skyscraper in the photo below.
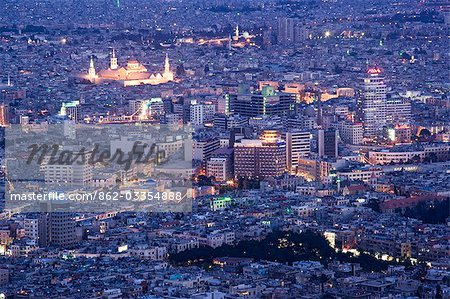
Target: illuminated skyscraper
{"x": 4, "y": 115}
{"x": 372, "y": 103}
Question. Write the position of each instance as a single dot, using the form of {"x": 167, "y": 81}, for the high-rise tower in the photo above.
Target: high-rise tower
{"x": 286, "y": 30}
{"x": 372, "y": 104}
{"x": 327, "y": 143}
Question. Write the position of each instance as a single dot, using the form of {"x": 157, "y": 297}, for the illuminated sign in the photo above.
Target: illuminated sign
{"x": 374, "y": 71}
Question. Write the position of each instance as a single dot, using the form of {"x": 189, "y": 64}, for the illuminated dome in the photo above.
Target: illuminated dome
{"x": 134, "y": 73}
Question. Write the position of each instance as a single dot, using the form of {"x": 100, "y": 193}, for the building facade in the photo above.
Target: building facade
{"x": 260, "y": 158}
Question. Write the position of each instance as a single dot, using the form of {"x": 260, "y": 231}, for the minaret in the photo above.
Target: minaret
{"x": 236, "y": 33}
{"x": 113, "y": 64}
{"x": 166, "y": 64}
{"x": 229, "y": 43}
{"x": 167, "y": 73}
{"x": 9, "y": 80}
{"x": 319, "y": 107}
{"x": 92, "y": 74}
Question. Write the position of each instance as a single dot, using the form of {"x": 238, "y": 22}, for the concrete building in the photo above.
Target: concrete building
{"x": 398, "y": 111}
{"x": 404, "y": 154}
{"x": 298, "y": 144}
{"x": 201, "y": 113}
{"x": 203, "y": 147}
{"x": 327, "y": 143}
{"x": 372, "y": 104}
{"x": 286, "y": 30}
{"x": 350, "y": 132}
{"x": 220, "y": 165}
{"x": 57, "y": 228}
{"x": 259, "y": 158}
{"x": 268, "y": 101}
{"x": 31, "y": 227}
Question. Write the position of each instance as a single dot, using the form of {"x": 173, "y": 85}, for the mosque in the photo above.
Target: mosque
{"x": 134, "y": 73}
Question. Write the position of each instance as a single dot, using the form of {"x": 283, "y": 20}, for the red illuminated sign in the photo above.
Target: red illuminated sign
{"x": 374, "y": 71}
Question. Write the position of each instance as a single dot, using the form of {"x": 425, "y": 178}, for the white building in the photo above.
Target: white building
{"x": 220, "y": 168}
{"x": 202, "y": 148}
{"x": 360, "y": 174}
{"x": 31, "y": 227}
{"x": 154, "y": 253}
{"x": 201, "y": 113}
{"x": 372, "y": 105}
{"x": 403, "y": 155}
{"x": 298, "y": 144}
{"x": 23, "y": 250}
{"x": 350, "y": 133}
{"x": 68, "y": 175}
{"x": 398, "y": 110}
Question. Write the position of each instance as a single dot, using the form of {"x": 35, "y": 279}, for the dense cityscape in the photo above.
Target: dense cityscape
{"x": 299, "y": 149}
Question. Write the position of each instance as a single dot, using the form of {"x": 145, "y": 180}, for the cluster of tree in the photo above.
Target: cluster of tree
{"x": 435, "y": 212}
{"x": 34, "y": 29}
{"x": 246, "y": 183}
{"x": 203, "y": 180}
{"x": 427, "y": 16}
{"x": 284, "y": 247}
{"x": 374, "y": 204}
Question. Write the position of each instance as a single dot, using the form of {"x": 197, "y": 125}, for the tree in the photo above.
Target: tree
{"x": 374, "y": 204}
{"x": 180, "y": 70}
{"x": 416, "y": 159}
{"x": 438, "y": 292}
{"x": 203, "y": 180}
{"x": 425, "y": 133}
